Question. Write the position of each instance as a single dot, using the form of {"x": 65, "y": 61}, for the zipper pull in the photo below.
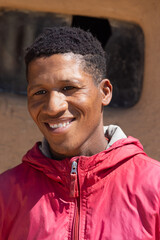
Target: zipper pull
{"x": 74, "y": 183}
{"x": 74, "y": 168}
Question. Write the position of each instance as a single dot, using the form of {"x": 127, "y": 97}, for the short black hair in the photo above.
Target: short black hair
{"x": 61, "y": 40}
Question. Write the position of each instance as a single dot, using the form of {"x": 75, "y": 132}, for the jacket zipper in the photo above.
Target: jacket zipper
{"x": 75, "y": 193}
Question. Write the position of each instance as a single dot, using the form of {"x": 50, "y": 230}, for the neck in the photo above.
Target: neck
{"x": 93, "y": 147}
{"x": 95, "y": 144}
{"x": 85, "y": 151}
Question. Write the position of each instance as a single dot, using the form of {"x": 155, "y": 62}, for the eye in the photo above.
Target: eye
{"x": 67, "y": 88}
{"x": 40, "y": 92}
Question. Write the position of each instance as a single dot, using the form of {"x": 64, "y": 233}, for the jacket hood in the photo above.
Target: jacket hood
{"x": 120, "y": 149}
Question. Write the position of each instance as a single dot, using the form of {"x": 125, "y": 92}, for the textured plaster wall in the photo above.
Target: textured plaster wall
{"x": 17, "y": 131}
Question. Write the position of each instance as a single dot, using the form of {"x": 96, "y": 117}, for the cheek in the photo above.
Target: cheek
{"x": 80, "y": 104}
{"x": 87, "y": 104}
{"x": 33, "y": 109}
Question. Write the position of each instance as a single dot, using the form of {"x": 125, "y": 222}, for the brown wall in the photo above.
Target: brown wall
{"x": 142, "y": 121}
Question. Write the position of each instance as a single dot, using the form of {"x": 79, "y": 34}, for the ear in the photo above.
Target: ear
{"x": 106, "y": 91}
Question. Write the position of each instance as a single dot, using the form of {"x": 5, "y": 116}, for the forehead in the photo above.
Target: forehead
{"x": 59, "y": 66}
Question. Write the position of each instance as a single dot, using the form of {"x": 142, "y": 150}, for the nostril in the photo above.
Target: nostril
{"x": 55, "y": 106}
{"x": 56, "y": 102}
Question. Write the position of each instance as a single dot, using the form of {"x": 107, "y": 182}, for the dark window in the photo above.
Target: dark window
{"x": 123, "y": 42}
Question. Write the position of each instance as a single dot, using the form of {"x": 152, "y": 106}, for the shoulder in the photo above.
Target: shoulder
{"x": 142, "y": 166}
{"x": 11, "y": 173}
{"x": 11, "y": 178}
{"x": 17, "y": 184}
{"x": 21, "y": 172}
{"x": 131, "y": 149}
{"x": 148, "y": 168}
{"x": 18, "y": 181}
{"x": 142, "y": 176}
{"x": 135, "y": 168}
{"x": 14, "y": 173}
{"x": 10, "y": 188}
{"x": 146, "y": 164}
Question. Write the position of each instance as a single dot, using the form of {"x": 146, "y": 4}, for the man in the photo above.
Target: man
{"x": 79, "y": 183}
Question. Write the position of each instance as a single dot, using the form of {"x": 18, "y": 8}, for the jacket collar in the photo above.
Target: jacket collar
{"x": 116, "y": 154}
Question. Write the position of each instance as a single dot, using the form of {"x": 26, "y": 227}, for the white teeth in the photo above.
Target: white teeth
{"x": 59, "y": 125}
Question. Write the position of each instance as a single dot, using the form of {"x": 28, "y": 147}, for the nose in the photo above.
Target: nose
{"x": 55, "y": 103}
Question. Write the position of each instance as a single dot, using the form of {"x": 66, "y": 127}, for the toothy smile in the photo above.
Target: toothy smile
{"x": 59, "y": 125}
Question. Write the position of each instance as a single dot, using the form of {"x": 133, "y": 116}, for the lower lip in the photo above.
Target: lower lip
{"x": 58, "y": 130}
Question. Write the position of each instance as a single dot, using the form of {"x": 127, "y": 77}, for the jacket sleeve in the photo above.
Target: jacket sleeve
{"x": 6, "y": 198}
{"x": 2, "y": 207}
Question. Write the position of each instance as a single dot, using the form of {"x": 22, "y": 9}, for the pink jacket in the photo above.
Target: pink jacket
{"x": 112, "y": 195}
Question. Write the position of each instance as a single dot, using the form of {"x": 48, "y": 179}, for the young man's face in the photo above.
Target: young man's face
{"x": 66, "y": 105}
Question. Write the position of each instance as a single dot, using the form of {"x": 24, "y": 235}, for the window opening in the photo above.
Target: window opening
{"x": 122, "y": 41}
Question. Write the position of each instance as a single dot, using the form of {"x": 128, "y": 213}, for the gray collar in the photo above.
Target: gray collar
{"x": 113, "y": 133}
